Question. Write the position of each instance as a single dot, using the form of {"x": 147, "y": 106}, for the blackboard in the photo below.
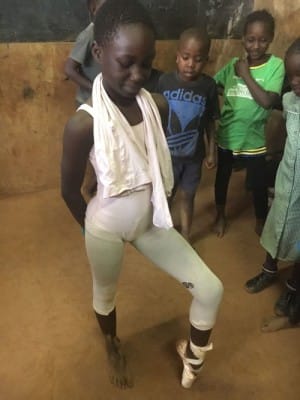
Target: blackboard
{"x": 62, "y": 20}
{"x": 222, "y": 18}
{"x": 42, "y": 20}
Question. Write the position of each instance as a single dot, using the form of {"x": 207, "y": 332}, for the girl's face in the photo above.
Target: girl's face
{"x": 126, "y": 61}
{"x": 256, "y": 42}
{"x": 292, "y": 66}
{"x": 191, "y": 58}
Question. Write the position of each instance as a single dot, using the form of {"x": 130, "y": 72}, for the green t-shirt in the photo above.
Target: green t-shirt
{"x": 242, "y": 123}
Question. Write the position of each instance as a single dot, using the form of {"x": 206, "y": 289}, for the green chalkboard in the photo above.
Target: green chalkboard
{"x": 42, "y": 20}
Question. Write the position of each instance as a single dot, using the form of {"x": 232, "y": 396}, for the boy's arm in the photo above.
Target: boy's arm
{"x": 77, "y": 58}
{"x": 74, "y": 72}
{"x": 212, "y": 115}
{"x": 210, "y": 159}
{"x": 264, "y": 98}
{"x": 220, "y": 90}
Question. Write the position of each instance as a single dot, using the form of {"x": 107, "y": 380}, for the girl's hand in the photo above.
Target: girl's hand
{"x": 241, "y": 68}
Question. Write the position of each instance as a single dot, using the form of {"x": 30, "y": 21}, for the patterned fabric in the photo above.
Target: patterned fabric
{"x": 281, "y": 234}
{"x": 191, "y": 105}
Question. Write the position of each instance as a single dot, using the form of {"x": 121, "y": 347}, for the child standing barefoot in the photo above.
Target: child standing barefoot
{"x": 121, "y": 132}
{"x": 281, "y": 234}
{"x": 251, "y": 86}
{"x": 194, "y": 107}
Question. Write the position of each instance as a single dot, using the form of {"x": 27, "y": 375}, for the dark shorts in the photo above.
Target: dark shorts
{"x": 187, "y": 174}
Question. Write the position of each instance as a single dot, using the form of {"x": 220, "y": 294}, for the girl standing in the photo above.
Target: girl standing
{"x": 281, "y": 234}
{"x": 251, "y": 87}
{"x": 120, "y": 131}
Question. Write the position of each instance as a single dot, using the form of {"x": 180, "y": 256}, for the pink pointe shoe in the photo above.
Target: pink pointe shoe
{"x": 191, "y": 366}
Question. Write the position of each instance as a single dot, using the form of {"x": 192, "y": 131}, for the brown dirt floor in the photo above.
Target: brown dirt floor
{"x": 51, "y": 347}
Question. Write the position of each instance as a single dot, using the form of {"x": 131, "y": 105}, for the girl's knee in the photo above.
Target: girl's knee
{"x": 218, "y": 289}
{"x": 213, "y": 294}
{"x": 205, "y": 306}
{"x": 103, "y": 308}
{"x": 104, "y": 299}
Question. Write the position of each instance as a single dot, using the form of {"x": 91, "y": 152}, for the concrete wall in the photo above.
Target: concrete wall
{"x": 36, "y": 100}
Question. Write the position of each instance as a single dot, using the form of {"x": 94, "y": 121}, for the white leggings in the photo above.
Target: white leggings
{"x": 169, "y": 251}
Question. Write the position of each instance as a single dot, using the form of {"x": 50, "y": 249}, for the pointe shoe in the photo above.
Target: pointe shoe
{"x": 191, "y": 366}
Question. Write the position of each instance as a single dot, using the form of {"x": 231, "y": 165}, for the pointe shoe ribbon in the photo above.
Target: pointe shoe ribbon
{"x": 191, "y": 366}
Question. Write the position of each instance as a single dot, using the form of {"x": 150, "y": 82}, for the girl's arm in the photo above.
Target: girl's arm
{"x": 77, "y": 143}
{"x": 264, "y": 98}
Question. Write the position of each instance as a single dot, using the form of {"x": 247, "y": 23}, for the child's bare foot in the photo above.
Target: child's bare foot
{"x": 118, "y": 370}
{"x": 275, "y": 323}
{"x": 220, "y": 225}
{"x": 259, "y": 226}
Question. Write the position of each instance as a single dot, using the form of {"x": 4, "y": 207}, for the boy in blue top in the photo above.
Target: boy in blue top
{"x": 193, "y": 109}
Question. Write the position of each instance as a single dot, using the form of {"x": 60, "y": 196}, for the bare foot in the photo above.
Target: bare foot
{"x": 275, "y": 323}
{"x": 118, "y": 370}
{"x": 259, "y": 226}
{"x": 220, "y": 226}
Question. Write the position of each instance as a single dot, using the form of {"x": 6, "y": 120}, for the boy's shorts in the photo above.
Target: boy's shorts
{"x": 187, "y": 174}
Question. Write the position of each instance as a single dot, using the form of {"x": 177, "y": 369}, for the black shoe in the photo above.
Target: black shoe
{"x": 260, "y": 282}
{"x": 294, "y": 310}
{"x": 283, "y": 303}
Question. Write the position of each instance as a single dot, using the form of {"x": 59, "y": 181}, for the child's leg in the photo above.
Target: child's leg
{"x": 257, "y": 173}
{"x": 283, "y": 303}
{"x": 177, "y": 167}
{"x": 294, "y": 283}
{"x": 105, "y": 253}
{"x": 186, "y": 213}
{"x": 189, "y": 181}
{"x": 287, "y": 307}
{"x": 169, "y": 251}
{"x": 224, "y": 170}
{"x": 265, "y": 278}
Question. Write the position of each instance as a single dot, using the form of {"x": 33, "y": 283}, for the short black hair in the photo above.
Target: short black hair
{"x": 263, "y": 16}
{"x": 294, "y": 48}
{"x": 115, "y": 13}
{"x": 197, "y": 34}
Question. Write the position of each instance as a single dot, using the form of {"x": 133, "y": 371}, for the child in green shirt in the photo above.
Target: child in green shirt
{"x": 251, "y": 87}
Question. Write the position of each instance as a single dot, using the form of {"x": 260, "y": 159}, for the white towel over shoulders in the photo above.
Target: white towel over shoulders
{"x": 119, "y": 170}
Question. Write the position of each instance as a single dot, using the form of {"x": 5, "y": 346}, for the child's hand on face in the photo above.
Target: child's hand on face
{"x": 241, "y": 67}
